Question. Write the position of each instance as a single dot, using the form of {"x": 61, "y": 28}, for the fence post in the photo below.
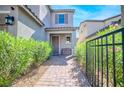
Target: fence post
{"x": 86, "y": 58}
{"x": 114, "y": 69}
{"x": 123, "y": 54}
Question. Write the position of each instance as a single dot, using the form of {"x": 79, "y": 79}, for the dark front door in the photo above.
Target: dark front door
{"x": 55, "y": 43}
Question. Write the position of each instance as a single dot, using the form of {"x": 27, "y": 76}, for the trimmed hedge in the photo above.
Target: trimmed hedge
{"x": 18, "y": 55}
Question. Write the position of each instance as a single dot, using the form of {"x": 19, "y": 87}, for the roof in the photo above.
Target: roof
{"x": 101, "y": 20}
{"x": 61, "y": 29}
{"x": 29, "y": 11}
{"x": 63, "y": 10}
{"x": 112, "y": 17}
{"x": 49, "y": 7}
{"x": 92, "y": 21}
{"x": 60, "y": 10}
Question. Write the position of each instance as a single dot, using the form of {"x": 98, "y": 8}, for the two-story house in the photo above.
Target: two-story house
{"x": 62, "y": 34}
{"x": 89, "y": 28}
{"x": 42, "y": 23}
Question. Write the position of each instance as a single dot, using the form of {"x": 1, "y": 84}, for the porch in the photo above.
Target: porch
{"x": 63, "y": 40}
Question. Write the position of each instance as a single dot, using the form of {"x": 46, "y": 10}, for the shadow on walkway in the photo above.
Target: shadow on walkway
{"x": 60, "y": 60}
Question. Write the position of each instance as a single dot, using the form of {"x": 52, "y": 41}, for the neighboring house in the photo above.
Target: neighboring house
{"x": 89, "y": 28}
{"x": 42, "y": 23}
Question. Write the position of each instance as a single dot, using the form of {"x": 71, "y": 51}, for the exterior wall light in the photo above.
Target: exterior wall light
{"x": 9, "y": 20}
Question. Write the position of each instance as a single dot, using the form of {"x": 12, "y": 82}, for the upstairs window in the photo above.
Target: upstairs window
{"x": 61, "y": 18}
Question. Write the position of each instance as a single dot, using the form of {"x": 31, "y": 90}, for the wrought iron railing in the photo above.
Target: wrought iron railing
{"x": 105, "y": 60}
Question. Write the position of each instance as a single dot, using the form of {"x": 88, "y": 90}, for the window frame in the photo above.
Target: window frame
{"x": 59, "y": 20}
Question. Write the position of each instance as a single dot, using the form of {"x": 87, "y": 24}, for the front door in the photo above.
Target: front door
{"x": 55, "y": 43}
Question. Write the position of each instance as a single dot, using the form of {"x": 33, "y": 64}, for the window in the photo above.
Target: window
{"x": 61, "y": 18}
{"x": 68, "y": 40}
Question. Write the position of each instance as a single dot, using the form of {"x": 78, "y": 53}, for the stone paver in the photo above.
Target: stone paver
{"x": 58, "y": 73}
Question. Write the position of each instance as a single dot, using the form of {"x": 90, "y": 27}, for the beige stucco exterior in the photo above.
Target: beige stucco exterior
{"x": 6, "y": 9}
{"x": 24, "y": 24}
{"x": 27, "y": 27}
{"x": 43, "y": 12}
{"x": 89, "y": 27}
{"x": 108, "y": 21}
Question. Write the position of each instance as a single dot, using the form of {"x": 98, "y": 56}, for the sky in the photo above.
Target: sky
{"x": 91, "y": 12}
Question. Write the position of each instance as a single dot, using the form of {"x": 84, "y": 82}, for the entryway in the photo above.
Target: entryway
{"x": 55, "y": 43}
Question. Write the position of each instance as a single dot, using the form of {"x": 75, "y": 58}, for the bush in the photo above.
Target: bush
{"x": 81, "y": 52}
{"x": 17, "y": 55}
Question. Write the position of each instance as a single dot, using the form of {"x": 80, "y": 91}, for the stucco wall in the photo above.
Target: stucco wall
{"x": 48, "y": 18}
{"x": 43, "y": 12}
{"x": 70, "y": 20}
{"x": 93, "y": 27}
{"x": 28, "y": 27}
{"x": 7, "y": 8}
{"x": 35, "y": 9}
{"x": 108, "y": 22}
{"x": 63, "y": 41}
{"x": 82, "y": 31}
{"x": 45, "y": 15}
{"x": 90, "y": 28}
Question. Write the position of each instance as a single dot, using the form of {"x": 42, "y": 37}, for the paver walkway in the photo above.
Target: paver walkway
{"x": 58, "y": 71}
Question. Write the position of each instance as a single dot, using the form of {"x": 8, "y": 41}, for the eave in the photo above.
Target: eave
{"x": 61, "y": 29}
{"x": 28, "y": 10}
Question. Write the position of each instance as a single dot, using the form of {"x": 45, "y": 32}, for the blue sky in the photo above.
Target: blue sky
{"x": 86, "y": 12}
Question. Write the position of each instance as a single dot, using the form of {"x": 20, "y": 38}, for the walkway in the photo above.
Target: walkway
{"x": 59, "y": 71}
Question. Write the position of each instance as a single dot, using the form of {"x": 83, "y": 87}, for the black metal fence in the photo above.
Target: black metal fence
{"x": 105, "y": 60}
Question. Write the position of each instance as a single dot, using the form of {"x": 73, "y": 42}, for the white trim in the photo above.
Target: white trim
{"x": 59, "y": 42}
{"x": 4, "y": 12}
{"x": 59, "y": 32}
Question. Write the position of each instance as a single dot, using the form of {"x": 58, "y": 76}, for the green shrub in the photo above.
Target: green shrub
{"x": 17, "y": 55}
{"x": 81, "y": 52}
